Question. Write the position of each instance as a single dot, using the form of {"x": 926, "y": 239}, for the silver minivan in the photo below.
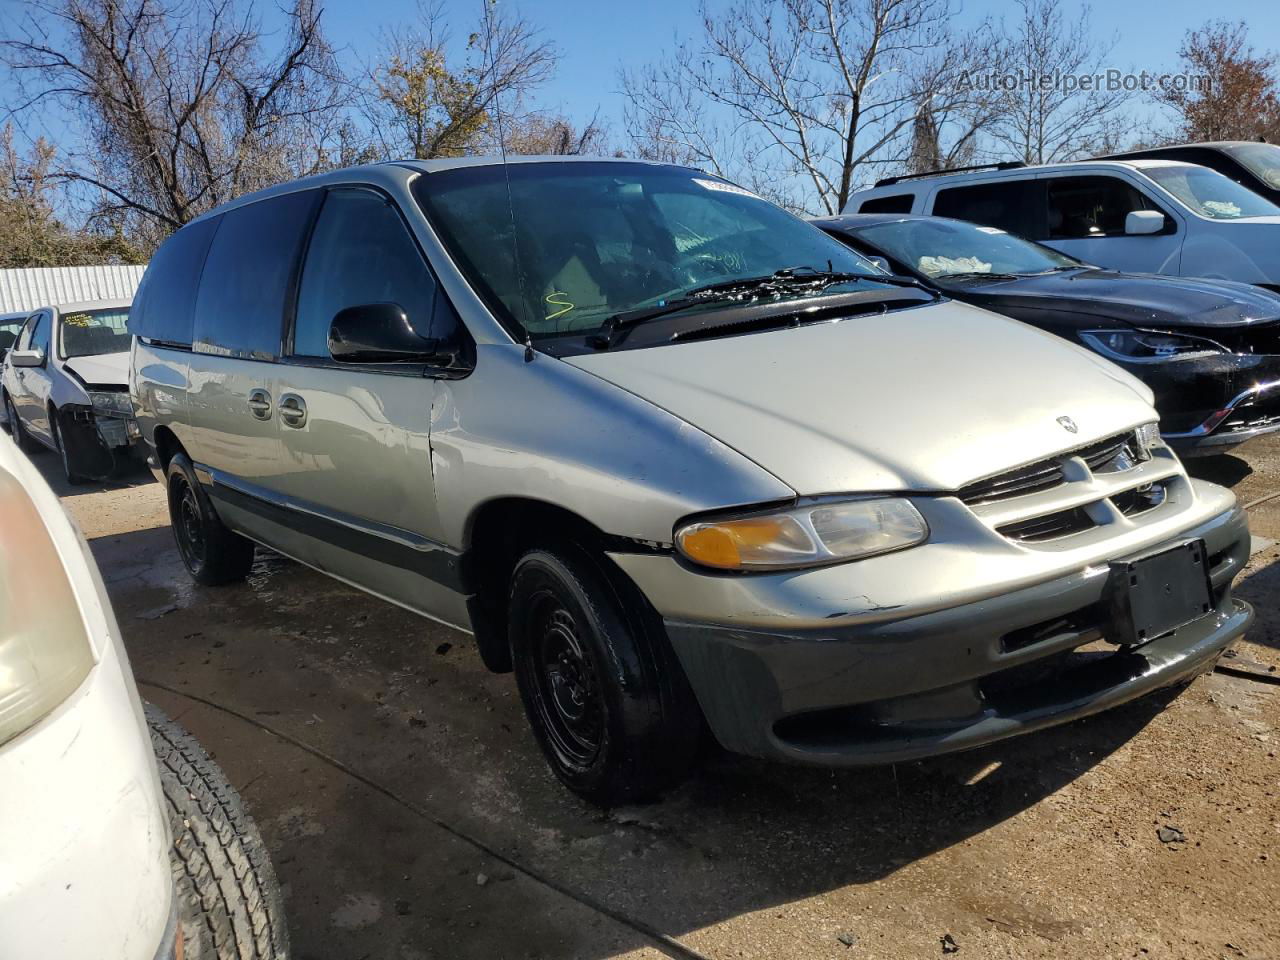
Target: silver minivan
{"x": 678, "y": 459}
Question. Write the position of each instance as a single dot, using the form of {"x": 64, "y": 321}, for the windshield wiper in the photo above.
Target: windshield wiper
{"x": 980, "y": 275}
{"x": 789, "y": 280}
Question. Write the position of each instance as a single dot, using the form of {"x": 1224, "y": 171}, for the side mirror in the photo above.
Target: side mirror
{"x": 381, "y": 333}
{"x": 27, "y": 358}
{"x": 882, "y": 263}
{"x": 1139, "y": 223}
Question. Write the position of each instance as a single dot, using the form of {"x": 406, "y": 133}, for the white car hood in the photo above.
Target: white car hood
{"x": 108, "y": 369}
{"x": 927, "y": 398}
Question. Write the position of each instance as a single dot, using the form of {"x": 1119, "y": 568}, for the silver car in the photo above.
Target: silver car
{"x": 679, "y": 460}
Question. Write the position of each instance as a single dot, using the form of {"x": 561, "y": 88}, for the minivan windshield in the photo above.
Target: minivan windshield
{"x": 563, "y": 246}
{"x": 91, "y": 333}
{"x": 1210, "y": 194}
{"x": 1260, "y": 159}
{"x": 943, "y": 248}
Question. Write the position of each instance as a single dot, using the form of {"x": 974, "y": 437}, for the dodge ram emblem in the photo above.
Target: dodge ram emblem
{"x": 1068, "y": 424}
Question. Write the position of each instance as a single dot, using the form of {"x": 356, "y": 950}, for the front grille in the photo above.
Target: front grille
{"x": 1101, "y": 456}
{"x": 1051, "y": 526}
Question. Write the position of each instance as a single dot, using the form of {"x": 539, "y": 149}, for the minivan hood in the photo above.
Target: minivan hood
{"x": 1138, "y": 299}
{"x": 107, "y": 369}
{"x": 927, "y": 398}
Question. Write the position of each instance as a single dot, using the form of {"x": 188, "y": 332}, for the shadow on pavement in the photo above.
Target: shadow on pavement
{"x": 1224, "y": 469}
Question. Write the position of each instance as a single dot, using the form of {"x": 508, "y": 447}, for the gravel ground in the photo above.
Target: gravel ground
{"x": 411, "y": 816}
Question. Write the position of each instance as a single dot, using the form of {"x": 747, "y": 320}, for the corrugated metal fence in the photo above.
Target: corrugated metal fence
{"x": 41, "y": 286}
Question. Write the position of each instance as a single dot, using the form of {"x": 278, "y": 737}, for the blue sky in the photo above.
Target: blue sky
{"x": 596, "y": 37}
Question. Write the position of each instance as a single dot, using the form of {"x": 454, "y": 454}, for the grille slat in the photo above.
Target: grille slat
{"x": 1051, "y": 526}
{"x": 1043, "y": 474}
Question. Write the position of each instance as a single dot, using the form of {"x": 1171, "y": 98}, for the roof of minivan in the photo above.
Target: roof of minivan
{"x": 422, "y": 166}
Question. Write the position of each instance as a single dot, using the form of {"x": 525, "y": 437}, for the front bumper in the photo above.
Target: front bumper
{"x": 891, "y": 688}
{"x": 1212, "y": 404}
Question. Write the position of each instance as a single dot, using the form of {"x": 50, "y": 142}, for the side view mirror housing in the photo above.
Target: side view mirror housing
{"x": 27, "y": 358}
{"x": 1139, "y": 223}
{"x": 381, "y": 333}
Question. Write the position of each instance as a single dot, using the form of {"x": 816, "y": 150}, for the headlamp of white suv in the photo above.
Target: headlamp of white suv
{"x": 115, "y": 402}
{"x": 807, "y": 536}
{"x": 44, "y": 649}
{"x": 1148, "y": 346}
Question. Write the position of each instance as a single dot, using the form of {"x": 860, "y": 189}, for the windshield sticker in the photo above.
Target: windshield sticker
{"x": 723, "y": 187}
{"x": 76, "y": 320}
{"x": 564, "y": 304}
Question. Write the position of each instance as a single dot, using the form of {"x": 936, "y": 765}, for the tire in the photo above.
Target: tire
{"x": 212, "y": 554}
{"x": 26, "y": 443}
{"x": 608, "y": 702}
{"x": 229, "y": 902}
{"x": 55, "y": 428}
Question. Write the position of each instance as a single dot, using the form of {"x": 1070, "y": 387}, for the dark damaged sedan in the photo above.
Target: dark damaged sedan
{"x": 1209, "y": 349}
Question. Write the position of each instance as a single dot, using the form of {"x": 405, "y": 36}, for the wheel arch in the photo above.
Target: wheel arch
{"x": 498, "y": 532}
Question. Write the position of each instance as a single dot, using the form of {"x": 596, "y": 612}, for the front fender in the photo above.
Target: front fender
{"x": 545, "y": 430}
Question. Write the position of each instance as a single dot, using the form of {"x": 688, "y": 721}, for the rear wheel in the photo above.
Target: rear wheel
{"x": 607, "y": 700}
{"x": 212, "y": 553}
{"x": 229, "y": 901}
{"x": 19, "y": 433}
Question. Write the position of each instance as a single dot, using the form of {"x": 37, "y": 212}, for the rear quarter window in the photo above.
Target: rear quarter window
{"x": 898, "y": 203}
{"x": 1011, "y": 205}
{"x": 248, "y": 277}
{"x": 164, "y": 306}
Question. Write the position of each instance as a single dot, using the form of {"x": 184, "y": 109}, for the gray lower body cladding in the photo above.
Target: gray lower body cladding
{"x": 953, "y": 679}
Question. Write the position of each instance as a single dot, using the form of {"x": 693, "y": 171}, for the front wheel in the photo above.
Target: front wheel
{"x": 211, "y": 553}
{"x": 607, "y": 700}
{"x": 73, "y": 476}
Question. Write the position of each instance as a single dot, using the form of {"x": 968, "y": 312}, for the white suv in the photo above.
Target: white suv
{"x": 1139, "y": 216}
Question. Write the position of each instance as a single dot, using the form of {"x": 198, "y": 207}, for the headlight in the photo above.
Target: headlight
{"x": 115, "y": 401}
{"x": 1148, "y": 346}
{"x": 1147, "y": 436}
{"x": 44, "y": 650}
{"x": 803, "y": 536}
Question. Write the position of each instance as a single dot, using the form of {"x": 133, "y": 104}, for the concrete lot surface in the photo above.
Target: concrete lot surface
{"x": 410, "y": 815}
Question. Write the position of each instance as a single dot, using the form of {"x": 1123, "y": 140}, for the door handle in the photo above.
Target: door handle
{"x": 260, "y": 404}
{"x": 293, "y": 410}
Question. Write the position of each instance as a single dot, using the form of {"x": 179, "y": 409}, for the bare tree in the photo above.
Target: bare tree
{"x": 1053, "y": 106}
{"x": 427, "y": 97}
{"x": 31, "y": 235}
{"x": 1241, "y": 98}
{"x": 551, "y": 135}
{"x": 797, "y": 97}
{"x": 179, "y": 104}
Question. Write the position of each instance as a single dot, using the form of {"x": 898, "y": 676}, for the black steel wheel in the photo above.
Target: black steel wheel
{"x": 567, "y": 692}
{"x": 607, "y": 700}
{"x": 211, "y": 553}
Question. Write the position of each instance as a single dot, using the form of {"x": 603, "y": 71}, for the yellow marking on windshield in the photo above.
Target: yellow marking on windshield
{"x": 77, "y": 320}
{"x": 558, "y": 303}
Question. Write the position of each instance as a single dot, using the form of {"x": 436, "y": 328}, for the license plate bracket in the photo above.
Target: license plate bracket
{"x": 1151, "y": 595}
